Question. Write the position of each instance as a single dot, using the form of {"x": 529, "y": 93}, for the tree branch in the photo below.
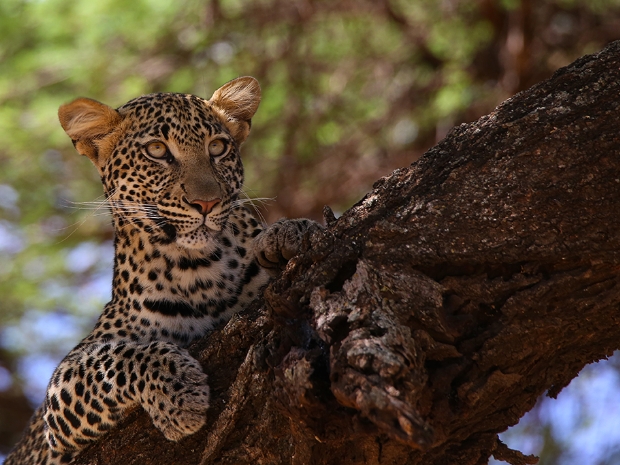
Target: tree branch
{"x": 432, "y": 314}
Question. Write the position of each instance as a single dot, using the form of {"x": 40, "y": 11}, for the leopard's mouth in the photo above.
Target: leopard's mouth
{"x": 202, "y": 237}
{"x": 199, "y": 237}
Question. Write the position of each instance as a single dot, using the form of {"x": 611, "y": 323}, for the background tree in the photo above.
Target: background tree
{"x": 351, "y": 91}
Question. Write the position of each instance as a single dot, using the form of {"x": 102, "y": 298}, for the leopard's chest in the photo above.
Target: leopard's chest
{"x": 173, "y": 294}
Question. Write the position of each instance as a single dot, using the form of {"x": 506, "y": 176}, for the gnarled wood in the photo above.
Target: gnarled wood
{"x": 432, "y": 314}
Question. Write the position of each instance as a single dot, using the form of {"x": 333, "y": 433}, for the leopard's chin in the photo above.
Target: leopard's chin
{"x": 200, "y": 238}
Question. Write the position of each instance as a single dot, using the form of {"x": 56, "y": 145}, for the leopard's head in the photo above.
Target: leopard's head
{"x": 169, "y": 163}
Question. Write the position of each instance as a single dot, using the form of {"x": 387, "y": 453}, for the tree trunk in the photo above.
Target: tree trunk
{"x": 432, "y": 314}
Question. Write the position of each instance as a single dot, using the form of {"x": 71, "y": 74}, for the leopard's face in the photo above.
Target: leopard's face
{"x": 169, "y": 163}
{"x": 175, "y": 168}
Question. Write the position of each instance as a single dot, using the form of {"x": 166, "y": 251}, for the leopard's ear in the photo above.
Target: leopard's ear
{"x": 238, "y": 101}
{"x": 88, "y": 122}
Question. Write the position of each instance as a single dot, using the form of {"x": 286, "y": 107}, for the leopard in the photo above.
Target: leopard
{"x": 188, "y": 255}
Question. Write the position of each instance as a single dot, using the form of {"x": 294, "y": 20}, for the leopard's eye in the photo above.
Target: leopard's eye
{"x": 217, "y": 147}
{"x": 156, "y": 149}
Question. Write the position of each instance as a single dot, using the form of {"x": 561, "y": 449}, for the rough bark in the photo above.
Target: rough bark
{"x": 432, "y": 314}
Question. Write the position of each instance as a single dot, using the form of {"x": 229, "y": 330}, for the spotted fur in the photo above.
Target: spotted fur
{"x": 185, "y": 249}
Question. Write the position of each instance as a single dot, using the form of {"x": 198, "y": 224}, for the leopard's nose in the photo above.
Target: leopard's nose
{"x": 204, "y": 206}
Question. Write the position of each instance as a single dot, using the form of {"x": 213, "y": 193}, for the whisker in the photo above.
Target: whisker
{"x": 97, "y": 204}
{"x": 108, "y": 205}
{"x": 251, "y": 202}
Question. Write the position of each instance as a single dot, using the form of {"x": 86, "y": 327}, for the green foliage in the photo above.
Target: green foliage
{"x": 333, "y": 77}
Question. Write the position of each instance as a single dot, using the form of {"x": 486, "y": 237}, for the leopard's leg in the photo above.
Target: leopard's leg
{"x": 96, "y": 382}
{"x": 281, "y": 241}
{"x": 33, "y": 449}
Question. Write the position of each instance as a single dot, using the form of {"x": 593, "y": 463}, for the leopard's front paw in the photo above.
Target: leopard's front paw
{"x": 176, "y": 394}
{"x": 281, "y": 241}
